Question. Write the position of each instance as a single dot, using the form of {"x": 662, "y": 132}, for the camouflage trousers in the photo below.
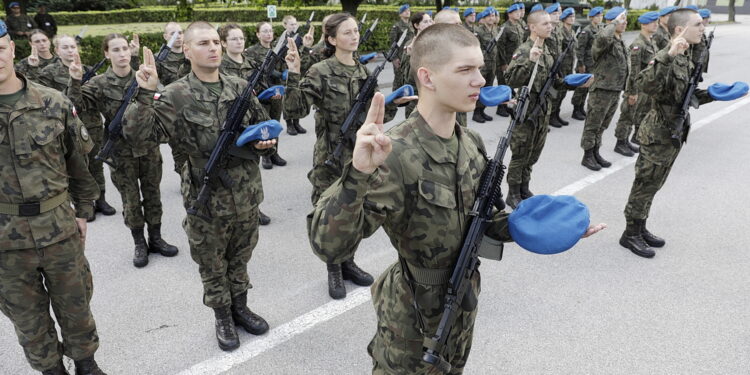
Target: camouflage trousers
{"x": 222, "y": 247}
{"x": 96, "y": 167}
{"x": 526, "y": 144}
{"x": 631, "y": 116}
{"x": 31, "y": 280}
{"x": 557, "y": 100}
{"x": 652, "y": 168}
{"x": 322, "y": 177}
{"x": 500, "y": 74}
{"x": 396, "y": 347}
{"x": 579, "y": 97}
{"x": 601, "y": 108}
{"x": 136, "y": 177}
{"x": 488, "y": 72}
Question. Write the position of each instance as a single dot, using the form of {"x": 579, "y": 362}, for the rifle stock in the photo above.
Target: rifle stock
{"x": 92, "y": 72}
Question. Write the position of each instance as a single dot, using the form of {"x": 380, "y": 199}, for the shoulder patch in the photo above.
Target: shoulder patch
{"x": 157, "y": 95}
{"x": 84, "y": 134}
{"x": 636, "y": 48}
{"x": 75, "y": 112}
{"x": 515, "y": 55}
{"x": 651, "y": 62}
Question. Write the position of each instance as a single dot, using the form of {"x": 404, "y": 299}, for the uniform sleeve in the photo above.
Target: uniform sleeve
{"x": 588, "y": 60}
{"x": 635, "y": 65}
{"x": 85, "y": 97}
{"x": 45, "y": 77}
{"x": 81, "y": 185}
{"x": 520, "y": 69}
{"x": 150, "y": 119}
{"x": 603, "y": 41}
{"x": 301, "y": 93}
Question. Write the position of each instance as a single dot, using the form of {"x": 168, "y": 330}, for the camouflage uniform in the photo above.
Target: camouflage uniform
{"x": 469, "y": 27}
{"x": 421, "y": 196}
{"x": 564, "y": 35}
{"x": 585, "y": 42}
{"x": 189, "y": 115}
{"x": 314, "y": 56}
{"x": 43, "y": 149}
{"x": 665, "y": 81}
{"x": 255, "y": 56}
{"x": 138, "y": 167}
{"x": 661, "y": 38}
{"x": 697, "y": 49}
{"x": 610, "y": 73}
{"x": 15, "y": 24}
{"x": 507, "y": 44}
{"x": 641, "y": 51}
{"x": 485, "y": 35}
{"x": 32, "y": 72}
{"x": 174, "y": 67}
{"x": 395, "y": 33}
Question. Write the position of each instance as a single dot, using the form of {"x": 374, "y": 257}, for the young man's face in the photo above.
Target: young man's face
{"x": 650, "y": 28}
{"x": 543, "y": 27}
{"x": 597, "y": 19}
{"x": 16, "y": 10}
{"x": 515, "y": 16}
{"x": 471, "y": 18}
{"x": 570, "y": 20}
{"x": 171, "y": 29}
{"x": 204, "y": 49}
{"x": 291, "y": 25}
{"x": 695, "y": 29}
{"x": 620, "y": 27}
{"x": 7, "y": 53}
{"x": 458, "y": 80}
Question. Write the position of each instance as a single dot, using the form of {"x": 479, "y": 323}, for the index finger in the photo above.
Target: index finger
{"x": 377, "y": 110}
{"x": 33, "y": 49}
{"x": 77, "y": 58}
{"x": 311, "y": 31}
{"x": 292, "y": 45}
{"x": 683, "y": 32}
{"x": 136, "y": 38}
{"x": 148, "y": 57}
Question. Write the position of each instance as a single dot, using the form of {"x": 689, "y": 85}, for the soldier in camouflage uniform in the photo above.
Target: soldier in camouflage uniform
{"x": 40, "y": 56}
{"x": 331, "y": 85}
{"x": 404, "y": 13}
{"x": 565, "y": 32}
{"x": 661, "y": 37}
{"x": 485, "y": 33}
{"x": 57, "y": 76}
{"x": 610, "y": 73}
{"x": 470, "y": 18}
{"x": 43, "y": 170}
{"x": 224, "y": 233}
{"x": 19, "y": 24}
{"x": 665, "y": 80}
{"x": 138, "y": 167}
{"x": 509, "y": 41}
{"x": 529, "y": 137}
{"x": 585, "y": 61}
{"x": 635, "y": 104}
{"x": 697, "y": 49}
{"x": 419, "y": 21}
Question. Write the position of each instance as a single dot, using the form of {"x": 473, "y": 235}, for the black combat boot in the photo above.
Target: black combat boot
{"x": 514, "y": 197}
{"x": 336, "y": 288}
{"x": 140, "y": 259}
{"x": 57, "y": 370}
{"x": 92, "y": 217}
{"x": 632, "y": 239}
{"x": 102, "y": 206}
{"x": 560, "y": 120}
{"x": 290, "y": 128}
{"x": 583, "y": 110}
{"x": 265, "y": 161}
{"x": 88, "y": 366}
{"x": 589, "y": 161}
{"x": 622, "y": 147}
{"x": 634, "y": 139}
{"x": 525, "y": 192}
{"x": 599, "y": 159}
{"x": 263, "y": 219}
{"x": 352, "y": 272}
{"x": 243, "y": 317}
{"x": 634, "y": 145}
{"x": 478, "y": 117}
{"x": 502, "y": 110}
{"x": 650, "y": 238}
{"x": 485, "y": 116}
{"x": 277, "y": 160}
{"x": 156, "y": 244}
{"x": 554, "y": 121}
{"x": 578, "y": 113}
{"x": 226, "y": 332}
{"x": 299, "y": 127}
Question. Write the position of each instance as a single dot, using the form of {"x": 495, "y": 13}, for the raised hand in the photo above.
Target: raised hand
{"x": 146, "y": 76}
{"x": 135, "y": 45}
{"x": 678, "y": 45}
{"x": 33, "y": 59}
{"x": 292, "y": 59}
{"x": 535, "y": 51}
{"x": 308, "y": 39}
{"x": 76, "y": 68}
{"x": 372, "y": 146}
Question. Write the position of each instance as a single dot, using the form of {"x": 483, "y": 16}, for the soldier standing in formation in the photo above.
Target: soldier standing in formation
{"x": 555, "y": 44}
{"x": 45, "y": 21}
{"x": 565, "y": 30}
{"x": 191, "y": 109}
{"x": 43, "y": 170}
{"x": 404, "y": 13}
{"x": 40, "y": 56}
{"x": 470, "y": 17}
{"x": 485, "y": 33}
{"x": 635, "y": 104}
{"x": 513, "y": 36}
{"x": 585, "y": 61}
{"x": 610, "y": 73}
{"x": 418, "y": 21}
{"x": 19, "y": 24}
{"x": 697, "y": 49}
{"x": 661, "y": 37}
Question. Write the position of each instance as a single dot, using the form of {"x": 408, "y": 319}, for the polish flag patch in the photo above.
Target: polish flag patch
{"x": 636, "y": 48}
{"x": 157, "y": 96}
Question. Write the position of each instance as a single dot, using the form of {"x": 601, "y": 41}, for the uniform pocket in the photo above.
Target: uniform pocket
{"x": 203, "y": 126}
{"x": 437, "y": 193}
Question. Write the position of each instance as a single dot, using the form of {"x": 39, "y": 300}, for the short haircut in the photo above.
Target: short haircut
{"x": 535, "y": 17}
{"x": 194, "y": 27}
{"x": 447, "y": 16}
{"x": 435, "y": 45}
{"x": 170, "y": 24}
{"x": 111, "y": 37}
{"x": 679, "y": 17}
{"x": 224, "y": 30}
{"x": 288, "y": 18}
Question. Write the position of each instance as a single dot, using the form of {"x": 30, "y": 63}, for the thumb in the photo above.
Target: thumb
{"x": 377, "y": 110}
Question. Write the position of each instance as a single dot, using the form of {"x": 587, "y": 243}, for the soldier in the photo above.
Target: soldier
{"x": 175, "y": 66}
{"x": 43, "y": 149}
{"x": 585, "y": 61}
{"x": 529, "y": 137}
{"x": 45, "y": 21}
{"x": 310, "y": 57}
{"x": 331, "y": 85}
{"x": 610, "y": 73}
{"x": 509, "y": 41}
{"x": 404, "y": 13}
{"x": 697, "y": 49}
{"x": 57, "y": 76}
{"x": 665, "y": 81}
{"x": 555, "y": 44}
{"x": 315, "y": 55}
{"x": 191, "y": 110}
{"x": 40, "y": 56}
{"x": 419, "y": 21}
{"x": 661, "y": 37}
{"x": 470, "y": 16}
{"x": 635, "y": 104}
{"x": 565, "y": 31}
{"x": 417, "y": 181}
{"x": 485, "y": 34}
{"x": 19, "y": 24}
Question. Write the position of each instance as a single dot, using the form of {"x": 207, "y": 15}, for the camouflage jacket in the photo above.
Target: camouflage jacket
{"x": 233, "y": 68}
{"x": 661, "y": 38}
{"x": 332, "y": 87}
{"x": 508, "y": 43}
{"x": 396, "y": 31}
{"x": 697, "y": 49}
{"x": 43, "y": 153}
{"x": 610, "y": 60}
{"x": 554, "y": 44}
{"x": 570, "y": 58}
{"x": 485, "y": 35}
{"x": 174, "y": 67}
{"x": 188, "y": 116}
{"x": 665, "y": 80}
{"x": 32, "y": 72}
{"x": 469, "y": 27}
{"x": 520, "y": 69}
{"x": 585, "y": 42}
{"x": 642, "y": 51}
{"x": 23, "y": 22}
{"x": 315, "y": 55}
{"x": 57, "y": 76}
{"x": 255, "y": 56}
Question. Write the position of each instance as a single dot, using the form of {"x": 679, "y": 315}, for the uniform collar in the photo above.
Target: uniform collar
{"x": 435, "y": 147}
{"x": 201, "y": 93}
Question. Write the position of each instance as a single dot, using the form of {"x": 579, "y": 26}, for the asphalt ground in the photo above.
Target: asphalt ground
{"x": 596, "y": 309}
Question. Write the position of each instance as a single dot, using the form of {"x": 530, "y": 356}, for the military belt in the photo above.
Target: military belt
{"x": 33, "y": 208}
{"x": 429, "y": 276}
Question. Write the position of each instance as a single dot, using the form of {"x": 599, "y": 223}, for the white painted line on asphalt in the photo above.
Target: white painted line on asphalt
{"x": 330, "y": 310}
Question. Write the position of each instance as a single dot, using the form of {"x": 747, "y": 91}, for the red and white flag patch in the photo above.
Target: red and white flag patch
{"x": 157, "y": 95}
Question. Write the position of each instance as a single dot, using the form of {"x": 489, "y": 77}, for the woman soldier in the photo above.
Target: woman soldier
{"x": 40, "y": 56}
{"x": 138, "y": 169}
{"x": 331, "y": 85}
{"x": 255, "y": 55}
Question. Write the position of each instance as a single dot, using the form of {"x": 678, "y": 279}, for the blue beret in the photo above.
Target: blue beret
{"x": 553, "y": 8}
{"x": 705, "y": 13}
{"x": 14, "y": 4}
{"x": 468, "y": 12}
{"x": 567, "y": 13}
{"x": 3, "y": 29}
{"x": 481, "y": 15}
{"x": 576, "y": 79}
{"x": 664, "y": 11}
{"x": 595, "y": 11}
{"x": 490, "y": 10}
{"x": 522, "y": 6}
{"x": 693, "y": 7}
{"x": 491, "y": 96}
{"x": 365, "y": 58}
{"x": 514, "y": 7}
{"x": 613, "y": 13}
{"x": 405, "y": 90}
{"x": 403, "y": 8}
{"x": 722, "y": 92}
{"x": 455, "y": 10}
{"x": 271, "y": 91}
{"x": 537, "y": 8}
{"x": 648, "y": 17}
{"x": 546, "y": 224}
{"x": 260, "y": 132}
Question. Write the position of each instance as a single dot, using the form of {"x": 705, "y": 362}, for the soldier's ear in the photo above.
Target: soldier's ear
{"x": 425, "y": 79}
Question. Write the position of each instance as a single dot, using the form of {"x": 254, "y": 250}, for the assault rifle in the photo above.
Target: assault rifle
{"x": 541, "y": 102}
{"x": 494, "y": 40}
{"x": 92, "y": 72}
{"x": 369, "y": 32}
{"x": 362, "y": 22}
{"x": 298, "y": 36}
{"x": 79, "y": 37}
